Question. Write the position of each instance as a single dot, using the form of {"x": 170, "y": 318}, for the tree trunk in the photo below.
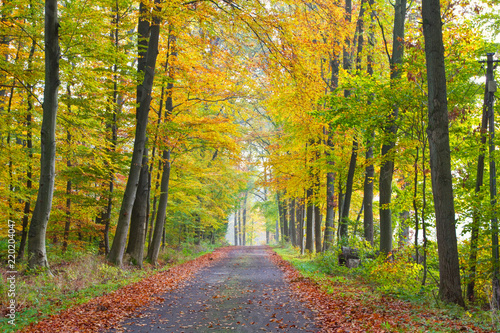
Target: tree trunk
{"x": 240, "y": 239}
{"x": 369, "y": 169}
{"x": 439, "y": 147}
{"x": 300, "y": 214}
{"x": 286, "y": 231}
{"x": 67, "y": 225}
{"x": 368, "y": 194}
{"x": 493, "y": 186}
{"x": 476, "y": 215}
{"x": 140, "y": 209}
{"x": 113, "y": 127}
{"x": 119, "y": 242}
{"x": 36, "y": 236}
{"x": 155, "y": 244}
{"x": 236, "y": 229}
{"x": 29, "y": 145}
{"x": 344, "y": 222}
{"x": 139, "y": 219}
{"x": 292, "y": 227}
{"x": 245, "y": 219}
{"x": 317, "y": 228}
{"x": 309, "y": 221}
{"x": 390, "y": 130}
{"x": 281, "y": 217}
{"x": 330, "y": 200}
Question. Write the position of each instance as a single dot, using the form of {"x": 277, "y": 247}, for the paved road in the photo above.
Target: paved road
{"x": 243, "y": 292}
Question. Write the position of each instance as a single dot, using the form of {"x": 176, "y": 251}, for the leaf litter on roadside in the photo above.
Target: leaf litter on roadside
{"x": 108, "y": 310}
{"x": 344, "y": 310}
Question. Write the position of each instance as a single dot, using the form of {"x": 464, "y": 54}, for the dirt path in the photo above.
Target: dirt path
{"x": 243, "y": 292}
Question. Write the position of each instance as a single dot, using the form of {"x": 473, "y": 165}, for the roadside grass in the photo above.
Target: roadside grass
{"x": 373, "y": 280}
{"x": 79, "y": 275}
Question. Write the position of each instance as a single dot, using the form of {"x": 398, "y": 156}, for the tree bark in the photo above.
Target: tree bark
{"x": 309, "y": 221}
{"x": 116, "y": 253}
{"x": 139, "y": 219}
{"x": 280, "y": 217}
{"x": 29, "y": 145}
{"x": 286, "y": 230}
{"x": 292, "y": 226}
{"x": 38, "y": 227}
{"x": 439, "y": 147}
{"x": 476, "y": 214}
{"x": 390, "y": 130}
{"x": 369, "y": 169}
{"x": 236, "y": 230}
{"x": 155, "y": 244}
{"x": 493, "y": 187}
{"x": 245, "y": 219}
{"x": 330, "y": 199}
{"x": 317, "y": 228}
{"x": 344, "y": 221}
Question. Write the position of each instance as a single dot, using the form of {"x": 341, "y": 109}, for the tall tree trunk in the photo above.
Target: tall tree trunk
{"x": 29, "y": 145}
{"x": 309, "y": 220}
{"x": 300, "y": 215}
{"x": 159, "y": 230}
{"x": 369, "y": 169}
{"x": 119, "y": 242}
{"x": 368, "y": 194}
{"x": 476, "y": 217}
{"x": 236, "y": 230}
{"x": 67, "y": 224}
{"x": 390, "y": 130}
{"x": 293, "y": 233}
{"x": 317, "y": 228}
{"x": 330, "y": 198}
{"x": 493, "y": 185}
{"x": 330, "y": 176}
{"x": 344, "y": 222}
{"x": 139, "y": 218}
{"x": 112, "y": 126}
{"x": 245, "y": 219}
{"x": 424, "y": 206}
{"x": 240, "y": 228}
{"x": 140, "y": 209}
{"x": 36, "y": 236}
{"x": 439, "y": 147}
{"x": 286, "y": 231}
{"x": 415, "y": 207}
{"x": 280, "y": 217}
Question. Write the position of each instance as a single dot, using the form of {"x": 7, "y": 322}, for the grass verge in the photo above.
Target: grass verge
{"x": 379, "y": 295}
{"x": 78, "y": 277}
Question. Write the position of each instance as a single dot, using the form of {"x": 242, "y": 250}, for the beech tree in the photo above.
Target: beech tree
{"x": 439, "y": 148}
{"x": 37, "y": 255}
{"x": 119, "y": 242}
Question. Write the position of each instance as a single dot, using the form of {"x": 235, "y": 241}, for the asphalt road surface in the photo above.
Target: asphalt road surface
{"x": 243, "y": 292}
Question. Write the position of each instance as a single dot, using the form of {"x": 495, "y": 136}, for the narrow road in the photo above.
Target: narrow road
{"x": 243, "y": 292}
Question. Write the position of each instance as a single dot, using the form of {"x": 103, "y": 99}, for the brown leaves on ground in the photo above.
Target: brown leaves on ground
{"x": 106, "y": 311}
{"x": 349, "y": 309}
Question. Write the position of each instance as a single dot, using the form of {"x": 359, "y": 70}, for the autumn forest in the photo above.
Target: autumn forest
{"x": 358, "y": 130}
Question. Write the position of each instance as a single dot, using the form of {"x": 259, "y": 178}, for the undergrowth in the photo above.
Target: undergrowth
{"x": 398, "y": 278}
{"x": 79, "y": 275}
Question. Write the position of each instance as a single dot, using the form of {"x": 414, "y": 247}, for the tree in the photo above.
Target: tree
{"x": 439, "y": 148}
{"x": 119, "y": 242}
{"x": 390, "y": 130}
{"x": 36, "y": 235}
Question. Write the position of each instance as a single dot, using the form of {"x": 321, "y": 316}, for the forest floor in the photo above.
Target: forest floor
{"x": 245, "y": 289}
